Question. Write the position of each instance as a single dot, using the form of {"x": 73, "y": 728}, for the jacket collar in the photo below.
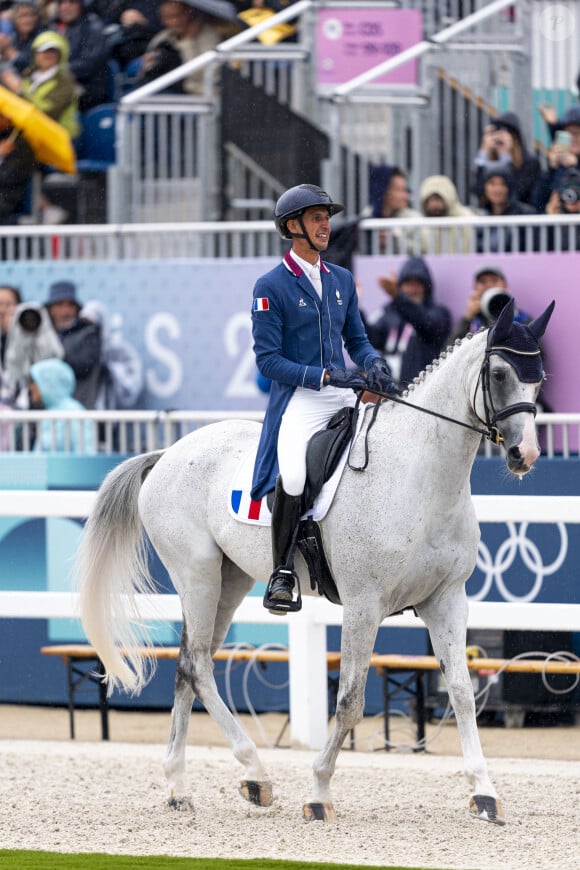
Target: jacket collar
{"x": 296, "y": 270}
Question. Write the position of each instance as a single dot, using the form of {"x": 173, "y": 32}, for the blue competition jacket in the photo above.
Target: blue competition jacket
{"x": 296, "y": 336}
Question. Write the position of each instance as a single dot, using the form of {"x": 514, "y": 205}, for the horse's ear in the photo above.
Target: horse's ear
{"x": 503, "y": 325}
{"x": 538, "y": 326}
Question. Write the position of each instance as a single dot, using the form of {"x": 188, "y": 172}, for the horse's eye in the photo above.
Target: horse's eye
{"x": 499, "y": 375}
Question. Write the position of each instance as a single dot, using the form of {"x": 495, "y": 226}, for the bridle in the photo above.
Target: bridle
{"x": 492, "y": 415}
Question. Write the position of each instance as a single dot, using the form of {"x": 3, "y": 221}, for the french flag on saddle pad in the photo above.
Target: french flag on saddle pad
{"x": 261, "y": 304}
{"x": 244, "y": 507}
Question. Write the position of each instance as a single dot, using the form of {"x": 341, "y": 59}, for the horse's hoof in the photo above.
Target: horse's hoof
{"x": 259, "y": 793}
{"x": 489, "y": 809}
{"x": 181, "y": 805}
{"x": 319, "y": 812}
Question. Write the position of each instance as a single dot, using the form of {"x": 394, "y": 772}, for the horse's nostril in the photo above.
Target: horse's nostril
{"x": 514, "y": 453}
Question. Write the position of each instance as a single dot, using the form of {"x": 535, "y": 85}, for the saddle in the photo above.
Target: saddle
{"x": 323, "y": 454}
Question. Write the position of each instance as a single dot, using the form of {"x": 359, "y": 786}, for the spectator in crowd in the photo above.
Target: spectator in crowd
{"x": 389, "y": 198}
{"x": 10, "y": 297}
{"x": 499, "y": 198}
{"x": 130, "y": 26}
{"x": 52, "y": 384}
{"x": 187, "y": 32}
{"x": 564, "y": 153}
{"x": 88, "y": 50}
{"x": 565, "y": 200}
{"x": 487, "y": 279}
{"x": 411, "y": 330}
{"x": 439, "y": 198}
{"x": 121, "y": 378}
{"x": 17, "y": 166}
{"x": 16, "y": 48}
{"x": 31, "y": 337}
{"x": 80, "y": 338}
{"x": 503, "y": 141}
{"x": 49, "y": 85}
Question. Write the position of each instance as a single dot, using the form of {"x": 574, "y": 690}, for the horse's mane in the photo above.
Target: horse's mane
{"x": 424, "y": 374}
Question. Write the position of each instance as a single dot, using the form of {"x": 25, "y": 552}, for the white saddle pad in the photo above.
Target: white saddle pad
{"x": 245, "y": 510}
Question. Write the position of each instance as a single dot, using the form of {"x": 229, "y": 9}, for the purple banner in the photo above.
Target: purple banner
{"x": 533, "y": 280}
{"x": 351, "y": 41}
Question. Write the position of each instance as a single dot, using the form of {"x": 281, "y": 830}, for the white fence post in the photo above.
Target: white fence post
{"x": 308, "y": 677}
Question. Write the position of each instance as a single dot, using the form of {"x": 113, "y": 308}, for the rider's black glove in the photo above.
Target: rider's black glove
{"x": 379, "y": 378}
{"x": 348, "y": 380}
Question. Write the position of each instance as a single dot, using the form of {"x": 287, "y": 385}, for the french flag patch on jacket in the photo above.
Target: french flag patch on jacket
{"x": 261, "y": 304}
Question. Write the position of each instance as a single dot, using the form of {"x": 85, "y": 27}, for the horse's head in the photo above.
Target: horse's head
{"x": 511, "y": 377}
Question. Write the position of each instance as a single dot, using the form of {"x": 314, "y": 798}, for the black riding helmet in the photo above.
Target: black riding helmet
{"x": 294, "y": 202}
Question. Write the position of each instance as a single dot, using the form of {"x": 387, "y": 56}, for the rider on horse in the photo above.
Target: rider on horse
{"x": 302, "y": 312}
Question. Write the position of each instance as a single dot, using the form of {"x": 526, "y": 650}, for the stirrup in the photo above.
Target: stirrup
{"x": 277, "y": 606}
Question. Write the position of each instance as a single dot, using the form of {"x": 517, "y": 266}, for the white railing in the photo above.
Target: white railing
{"x": 307, "y": 631}
{"x": 140, "y": 431}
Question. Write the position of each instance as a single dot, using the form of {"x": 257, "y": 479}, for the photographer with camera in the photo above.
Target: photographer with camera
{"x": 31, "y": 338}
{"x": 488, "y": 296}
{"x": 565, "y": 199}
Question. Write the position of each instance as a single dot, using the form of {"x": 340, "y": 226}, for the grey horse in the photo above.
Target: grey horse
{"x": 403, "y": 534}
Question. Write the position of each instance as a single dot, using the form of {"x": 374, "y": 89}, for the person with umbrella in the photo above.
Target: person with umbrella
{"x": 17, "y": 165}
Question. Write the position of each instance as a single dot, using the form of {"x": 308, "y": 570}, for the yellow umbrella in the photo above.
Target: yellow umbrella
{"x": 48, "y": 139}
{"x": 275, "y": 34}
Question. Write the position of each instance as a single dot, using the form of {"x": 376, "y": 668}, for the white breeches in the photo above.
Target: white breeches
{"x": 307, "y": 412}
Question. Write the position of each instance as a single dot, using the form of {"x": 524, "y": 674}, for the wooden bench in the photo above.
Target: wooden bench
{"x": 414, "y": 668}
{"x": 389, "y": 666}
{"x": 76, "y": 657}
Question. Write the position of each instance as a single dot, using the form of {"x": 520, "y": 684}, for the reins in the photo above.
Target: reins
{"x": 492, "y": 417}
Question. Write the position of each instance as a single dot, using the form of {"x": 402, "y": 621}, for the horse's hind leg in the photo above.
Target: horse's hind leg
{"x": 208, "y": 610}
{"x": 446, "y": 619}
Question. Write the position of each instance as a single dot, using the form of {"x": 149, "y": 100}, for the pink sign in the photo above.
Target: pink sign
{"x": 351, "y": 41}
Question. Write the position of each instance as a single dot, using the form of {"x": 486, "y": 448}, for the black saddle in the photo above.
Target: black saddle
{"x": 323, "y": 454}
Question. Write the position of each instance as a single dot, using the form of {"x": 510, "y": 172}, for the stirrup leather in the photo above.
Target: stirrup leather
{"x": 276, "y": 605}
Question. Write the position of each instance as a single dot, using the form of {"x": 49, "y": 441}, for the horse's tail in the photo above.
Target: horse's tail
{"x": 111, "y": 566}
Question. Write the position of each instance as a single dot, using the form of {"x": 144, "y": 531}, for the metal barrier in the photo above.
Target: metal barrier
{"x": 170, "y": 241}
{"x": 132, "y": 432}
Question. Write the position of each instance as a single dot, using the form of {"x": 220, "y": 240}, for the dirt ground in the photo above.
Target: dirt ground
{"x": 398, "y": 808}
{"x": 557, "y": 742}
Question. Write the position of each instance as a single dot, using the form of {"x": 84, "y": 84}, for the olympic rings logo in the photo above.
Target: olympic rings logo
{"x": 517, "y": 545}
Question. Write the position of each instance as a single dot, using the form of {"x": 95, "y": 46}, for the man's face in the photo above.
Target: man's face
{"x": 69, "y": 11}
{"x": 414, "y": 290}
{"x": 435, "y": 206}
{"x": 176, "y": 16}
{"x": 489, "y": 279}
{"x": 316, "y": 220}
{"x": 63, "y": 314}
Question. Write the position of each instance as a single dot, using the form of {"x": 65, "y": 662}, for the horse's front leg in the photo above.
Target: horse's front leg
{"x": 446, "y": 619}
{"x": 359, "y": 628}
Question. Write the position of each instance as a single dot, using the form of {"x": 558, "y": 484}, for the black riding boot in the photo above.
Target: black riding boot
{"x": 286, "y": 513}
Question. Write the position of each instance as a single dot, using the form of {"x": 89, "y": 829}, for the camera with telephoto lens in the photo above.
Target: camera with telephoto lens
{"x": 29, "y": 319}
{"x": 492, "y": 302}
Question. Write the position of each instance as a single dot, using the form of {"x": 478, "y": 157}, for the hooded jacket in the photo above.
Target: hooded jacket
{"x": 56, "y": 381}
{"x": 408, "y": 334}
{"x": 439, "y": 241}
{"x": 54, "y": 91}
{"x": 502, "y": 239}
{"x": 88, "y": 57}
